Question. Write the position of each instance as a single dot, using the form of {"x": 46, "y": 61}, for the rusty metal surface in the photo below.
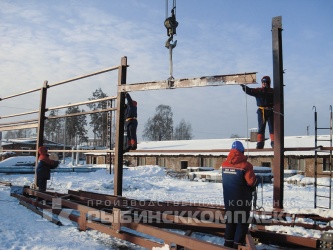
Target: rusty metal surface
{"x": 198, "y": 151}
{"x": 285, "y": 240}
{"x": 278, "y": 112}
{"x": 120, "y": 123}
{"x": 218, "y": 80}
{"x": 117, "y": 216}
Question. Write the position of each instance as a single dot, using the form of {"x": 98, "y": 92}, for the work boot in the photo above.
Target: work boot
{"x": 229, "y": 243}
{"x": 235, "y": 246}
{"x": 260, "y": 144}
{"x": 272, "y": 144}
{"x": 128, "y": 149}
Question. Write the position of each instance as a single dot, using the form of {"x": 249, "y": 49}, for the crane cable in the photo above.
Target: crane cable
{"x": 170, "y": 24}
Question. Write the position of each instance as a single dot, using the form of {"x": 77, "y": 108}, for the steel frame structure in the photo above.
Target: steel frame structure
{"x": 154, "y": 222}
{"x": 86, "y": 205}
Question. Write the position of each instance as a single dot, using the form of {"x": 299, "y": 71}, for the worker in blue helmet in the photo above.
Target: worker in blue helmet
{"x": 238, "y": 180}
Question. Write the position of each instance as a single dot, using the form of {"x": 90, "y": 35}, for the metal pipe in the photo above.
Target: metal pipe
{"x": 84, "y": 76}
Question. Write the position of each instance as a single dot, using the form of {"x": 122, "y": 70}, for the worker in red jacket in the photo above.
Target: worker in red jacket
{"x": 265, "y": 101}
{"x": 45, "y": 164}
{"x": 238, "y": 180}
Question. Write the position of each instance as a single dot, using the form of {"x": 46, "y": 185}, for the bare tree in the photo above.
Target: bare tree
{"x": 75, "y": 126}
{"x": 160, "y": 126}
{"x": 21, "y": 133}
{"x": 183, "y": 131}
{"x": 99, "y": 120}
{"x": 53, "y": 127}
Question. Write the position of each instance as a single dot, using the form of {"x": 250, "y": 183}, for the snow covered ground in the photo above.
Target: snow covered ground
{"x": 21, "y": 228}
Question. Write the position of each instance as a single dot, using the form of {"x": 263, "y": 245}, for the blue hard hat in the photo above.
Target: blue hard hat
{"x": 238, "y": 145}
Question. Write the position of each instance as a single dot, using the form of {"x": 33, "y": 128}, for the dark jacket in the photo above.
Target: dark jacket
{"x": 264, "y": 96}
{"x": 238, "y": 180}
{"x": 45, "y": 164}
{"x": 131, "y": 108}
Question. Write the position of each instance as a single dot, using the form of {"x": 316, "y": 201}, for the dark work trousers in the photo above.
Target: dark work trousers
{"x": 41, "y": 183}
{"x": 131, "y": 127}
{"x": 265, "y": 116}
{"x": 236, "y": 227}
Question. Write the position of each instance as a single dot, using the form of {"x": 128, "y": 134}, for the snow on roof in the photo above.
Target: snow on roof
{"x": 223, "y": 144}
{"x": 26, "y": 141}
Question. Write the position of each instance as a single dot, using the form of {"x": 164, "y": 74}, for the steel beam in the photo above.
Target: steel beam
{"x": 278, "y": 112}
{"x": 41, "y": 123}
{"x": 218, "y": 80}
{"x": 94, "y": 215}
{"x": 120, "y": 123}
{"x": 267, "y": 237}
{"x": 16, "y": 127}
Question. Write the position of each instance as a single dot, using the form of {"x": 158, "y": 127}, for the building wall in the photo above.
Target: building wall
{"x": 303, "y": 164}
{"x": 26, "y": 146}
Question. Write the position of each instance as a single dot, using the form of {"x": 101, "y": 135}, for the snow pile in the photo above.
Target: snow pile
{"x": 304, "y": 181}
{"x": 18, "y": 161}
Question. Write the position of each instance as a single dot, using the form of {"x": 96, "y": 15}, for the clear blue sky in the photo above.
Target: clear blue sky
{"x": 57, "y": 40}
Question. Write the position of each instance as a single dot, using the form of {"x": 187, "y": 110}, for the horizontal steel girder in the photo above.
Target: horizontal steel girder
{"x": 218, "y": 80}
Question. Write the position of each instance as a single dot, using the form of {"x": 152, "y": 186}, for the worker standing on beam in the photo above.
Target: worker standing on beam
{"x": 131, "y": 122}
{"x": 265, "y": 101}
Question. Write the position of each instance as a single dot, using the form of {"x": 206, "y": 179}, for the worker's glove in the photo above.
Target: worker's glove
{"x": 56, "y": 164}
{"x": 243, "y": 86}
{"x": 253, "y": 188}
{"x": 258, "y": 182}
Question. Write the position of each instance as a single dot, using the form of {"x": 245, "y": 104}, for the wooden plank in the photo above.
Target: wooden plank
{"x": 218, "y": 80}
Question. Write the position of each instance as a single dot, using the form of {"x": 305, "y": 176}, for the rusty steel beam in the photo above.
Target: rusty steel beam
{"x": 196, "y": 151}
{"x": 170, "y": 237}
{"x": 218, "y": 80}
{"x": 250, "y": 245}
{"x": 22, "y": 122}
{"x": 22, "y": 126}
{"x": 20, "y": 114}
{"x": 285, "y": 240}
{"x": 120, "y": 123}
{"x": 83, "y": 103}
{"x": 184, "y": 208}
{"x": 135, "y": 239}
{"x": 41, "y": 125}
{"x": 81, "y": 113}
{"x": 278, "y": 112}
{"x": 83, "y": 76}
{"x": 95, "y": 216}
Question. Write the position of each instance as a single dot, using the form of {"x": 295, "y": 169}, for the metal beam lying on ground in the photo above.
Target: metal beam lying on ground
{"x": 204, "y": 81}
{"x": 146, "y": 222}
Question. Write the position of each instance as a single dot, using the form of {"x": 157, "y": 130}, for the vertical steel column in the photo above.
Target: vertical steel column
{"x": 278, "y": 170}
{"x": 110, "y": 136}
{"x": 119, "y": 147}
{"x": 41, "y": 123}
{"x": 316, "y": 157}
